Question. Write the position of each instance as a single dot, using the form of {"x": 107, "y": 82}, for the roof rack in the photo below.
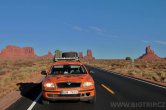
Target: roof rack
{"x": 67, "y": 58}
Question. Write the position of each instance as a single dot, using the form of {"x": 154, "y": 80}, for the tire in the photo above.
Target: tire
{"x": 45, "y": 102}
{"x": 70, "y": 54}
{"x": 93, "y": 100}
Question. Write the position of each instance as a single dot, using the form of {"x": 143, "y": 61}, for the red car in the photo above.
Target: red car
{"x": 68, "y": 79}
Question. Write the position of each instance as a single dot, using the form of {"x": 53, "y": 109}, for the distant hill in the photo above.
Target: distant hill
{"x": 149, "y": 55}
{"x": 15, "y": 52}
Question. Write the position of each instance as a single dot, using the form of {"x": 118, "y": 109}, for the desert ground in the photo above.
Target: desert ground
{"x": 150, "y": 70}
{"x": 20, "y": 71}
{"x": 14, "y": 72}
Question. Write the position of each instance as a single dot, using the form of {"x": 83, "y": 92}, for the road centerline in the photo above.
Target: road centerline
{"x": 108, "y": 89}
{"x": 34, "y": 102}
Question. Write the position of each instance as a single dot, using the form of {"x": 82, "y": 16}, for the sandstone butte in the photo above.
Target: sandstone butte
{"x": 89, "y": 55}
{"x": 14, "y": 52}
{"x": 149, "y": 55}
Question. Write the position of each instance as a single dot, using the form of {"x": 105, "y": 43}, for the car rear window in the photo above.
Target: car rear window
{"x": 67, "y": 69}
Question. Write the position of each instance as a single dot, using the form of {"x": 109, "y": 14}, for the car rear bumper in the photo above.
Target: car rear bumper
{"x": 84, "y": 95}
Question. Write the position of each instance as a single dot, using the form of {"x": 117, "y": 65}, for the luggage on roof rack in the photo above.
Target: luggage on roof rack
{"x": 72, "y": 56}
{"x": 67, "y": 59}
{"x": 69, "y": 54}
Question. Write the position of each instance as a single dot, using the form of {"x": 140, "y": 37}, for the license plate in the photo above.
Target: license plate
{"x": 69, "y": 92}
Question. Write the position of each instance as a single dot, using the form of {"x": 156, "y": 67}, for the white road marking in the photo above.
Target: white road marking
{"x": 145, "y": 82}
{"x": 134, "y": 79}
{"x": 34, "y": 102}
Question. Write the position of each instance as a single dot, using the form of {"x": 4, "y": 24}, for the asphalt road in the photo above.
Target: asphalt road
{"x": 114, "y": 92}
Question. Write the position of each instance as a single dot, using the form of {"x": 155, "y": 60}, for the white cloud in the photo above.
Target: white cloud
{"x": 77, "y": 28}
{"x": 95, "y": 28}
{"x": 99, "y": 32}
{"x": 106, "y": 35}
{"x": 145, "y": 41}
{"x": 89, "y": 29}
{"x": 161, "y": 42}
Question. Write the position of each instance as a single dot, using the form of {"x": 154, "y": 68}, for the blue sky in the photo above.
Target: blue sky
{"x": 111, "y": 28}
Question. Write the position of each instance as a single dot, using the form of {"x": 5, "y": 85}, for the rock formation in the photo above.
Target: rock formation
{"x": 14, "y": 52}
{"x": 149, "y": 55}
{"x": 80, "y": 55}
{"x": 47, "y": 56}
{"x": 89, "y": 55}
{"x": 58, "y": 54}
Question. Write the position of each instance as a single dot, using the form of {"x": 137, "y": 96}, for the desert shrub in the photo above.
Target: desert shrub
{"x": 156, "y": 77}
{"x": 162, "y": 75}
{"x": 131, "y": 72}
{"x": 128, "y": 58}
{"x": 147, "y": 75}
{"x": 3, "y": 71}
{"x": 138, "y": 71}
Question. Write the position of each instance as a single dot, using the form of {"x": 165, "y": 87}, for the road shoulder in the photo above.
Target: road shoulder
{"x": 12, "y": 97}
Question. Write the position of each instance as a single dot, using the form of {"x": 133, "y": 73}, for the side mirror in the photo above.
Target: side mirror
{"x": 43, "y": 72}
{"x": 91, "y": 72}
